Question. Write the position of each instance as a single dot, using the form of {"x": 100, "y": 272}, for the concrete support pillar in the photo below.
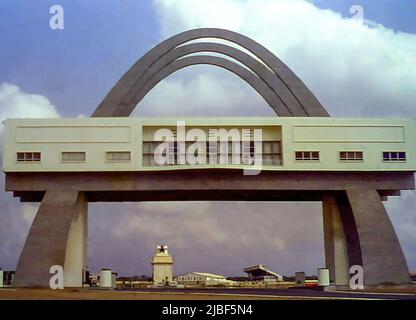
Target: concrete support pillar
{"x": 336, "y": 253}
{"x": 76, "y": 246}
{"x": 382, "y": 257}
{"x": 57, "y": 237}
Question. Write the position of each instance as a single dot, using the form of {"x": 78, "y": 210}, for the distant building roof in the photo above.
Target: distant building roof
{"x": 260, "y": 271}
{"x": 237, "y": 278}
{"x": 204, "y": 274}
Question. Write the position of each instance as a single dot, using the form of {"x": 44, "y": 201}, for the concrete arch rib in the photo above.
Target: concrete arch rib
{"x": 252, "y": 79}
{"x": 278, "y": 87}
{"x": 110, "y": 105}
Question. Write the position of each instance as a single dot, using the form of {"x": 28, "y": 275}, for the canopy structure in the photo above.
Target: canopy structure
{"x": 260, "y": 272}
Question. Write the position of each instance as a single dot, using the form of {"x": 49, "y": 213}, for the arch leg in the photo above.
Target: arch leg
{"x": 383, "y": 260}
{"x": 57, "y": 237}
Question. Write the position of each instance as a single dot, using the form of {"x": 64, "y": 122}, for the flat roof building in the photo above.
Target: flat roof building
{"x": 202, "y": 278}
{"x": 285, "y": 144}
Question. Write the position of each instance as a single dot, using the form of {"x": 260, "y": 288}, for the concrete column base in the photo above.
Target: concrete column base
{"x": 57, "y": 237}
{"x": 336, "y": 252}
{"x": 383, "y": 260}
{"x": 358, "y": 231}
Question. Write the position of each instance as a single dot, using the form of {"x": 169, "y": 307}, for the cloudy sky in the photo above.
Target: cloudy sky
{"x": 357, "y": 65}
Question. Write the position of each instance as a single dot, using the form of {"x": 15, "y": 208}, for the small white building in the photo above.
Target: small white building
{"x": 202, "y": 278}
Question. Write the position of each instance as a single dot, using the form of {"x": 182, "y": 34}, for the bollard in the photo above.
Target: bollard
{"x": 1, "y": 278}
{"x": 106, "y": 278}
{"x": 323, "y": 277}
{"x": 300, "y": 279}
{"x": 114, "y": 280}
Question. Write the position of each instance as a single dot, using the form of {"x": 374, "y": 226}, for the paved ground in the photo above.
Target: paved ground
{"x": 290, "y": 293}
{"x": 198, "y": 294}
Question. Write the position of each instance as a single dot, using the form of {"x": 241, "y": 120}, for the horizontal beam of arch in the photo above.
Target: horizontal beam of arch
{"x": 111, "y": 103}
{"x": 281, "y": 91}
{"x": 252, "y": 79}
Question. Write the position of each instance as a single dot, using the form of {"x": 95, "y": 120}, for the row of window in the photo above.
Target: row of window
{"x": 78, "y": 156}
{"x": 388, "y": 156}
{"x": 266, "y": 160}
{"x": 268, "y": 147}
{"x": 272, "y": 159}
{"x": 215, "y": 153}
{"x": 184, "y": 278}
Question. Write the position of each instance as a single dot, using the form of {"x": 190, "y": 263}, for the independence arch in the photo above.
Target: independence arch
{"x": 352, "y": 207}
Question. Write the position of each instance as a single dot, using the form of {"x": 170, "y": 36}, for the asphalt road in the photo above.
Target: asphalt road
{"x": 289, "y": 293}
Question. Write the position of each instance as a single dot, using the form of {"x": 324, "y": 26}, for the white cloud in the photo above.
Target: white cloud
{"x": 214, "y": 93}
{"x": 352, "y": 68}
{"x": 16, "y": 104}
